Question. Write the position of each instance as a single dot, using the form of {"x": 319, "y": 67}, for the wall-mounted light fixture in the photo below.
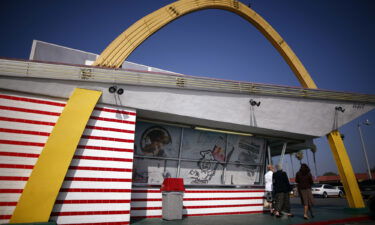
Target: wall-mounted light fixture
{"x": 254, "y": 103}
{"x": 113, "y": 89}
{"x": 339, "y": 108}
{"x": 120, "y": 91}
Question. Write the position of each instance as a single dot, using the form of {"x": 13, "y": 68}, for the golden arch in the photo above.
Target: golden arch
{"x": 116, "y": 53}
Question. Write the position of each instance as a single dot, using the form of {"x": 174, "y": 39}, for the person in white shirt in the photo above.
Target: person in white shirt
{"x": 268, "y": 187}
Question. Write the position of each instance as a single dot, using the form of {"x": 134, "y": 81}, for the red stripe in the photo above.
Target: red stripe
{"x": 93, "y": 190}
{"x": 99, "y": 168}
{"x": 99, "y": 201}
{"x": 140, "y": 217}
{"x": 145, "y": 208}
{"x": 16, "y": 166}
{"x": 115, "y": 111}
{"x": 11, "y": 190}
{"x": 104, "y": 223}
{"x": 220, "y": 206}
{"x": 233, "y": 198}
{"x": 105, "y": 148}
{"x": 339, "y": 221}
{"x": 8, "y": 203}
{"x": 146, "y": 199}
{"x": 10, "y": 108}
{"x": 223, "y": 191}
{"x": 198, "y": 207}
{"x": 146, "y": 191}
{"x": 14, "y": 131}
{"x": 16, "y": 154}
{"x": 89, "y": 213}
{"x": 97, "y": 179}
{"x": 13, "y": 178}
{"x": 108, "y": 139}
{"x": 44, "y": 102}
{"x": 102, "y": 158}
{"x": 110, "y": 129}
{"x": 26, "y": 121}
{"x": 111, "y": 120}
{"x": 5, "y": 217}
{"x": 9, "y": 142}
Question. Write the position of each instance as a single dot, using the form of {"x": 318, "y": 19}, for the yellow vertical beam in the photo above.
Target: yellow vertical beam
{"x": 347, "y": 175}
{"x": 42, "y": 188}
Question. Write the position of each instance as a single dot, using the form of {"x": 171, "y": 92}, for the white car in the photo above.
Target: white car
{"x": 326, "y": 190}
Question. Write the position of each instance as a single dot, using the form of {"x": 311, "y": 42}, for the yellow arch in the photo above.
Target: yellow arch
{"x": 116, "y": 53}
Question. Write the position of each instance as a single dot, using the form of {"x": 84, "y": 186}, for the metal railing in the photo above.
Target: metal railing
{"x": 32, "y": 69}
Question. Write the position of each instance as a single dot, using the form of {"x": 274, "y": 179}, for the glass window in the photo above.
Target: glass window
{"x": 201, "y": 172}
{"x": 244, "y": 149}
{"x": 205, "y": 158}
{"x": 237, "y": 174}
{"x": 153, "y": 171}
{"x": 202, "y": 144}
{"x": 157, "y": 140}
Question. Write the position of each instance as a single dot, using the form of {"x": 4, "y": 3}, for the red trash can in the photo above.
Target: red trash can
{"x": 172, "y": 197}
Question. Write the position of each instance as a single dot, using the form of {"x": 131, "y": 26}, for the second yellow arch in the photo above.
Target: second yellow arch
{"x": 116, "y": 53}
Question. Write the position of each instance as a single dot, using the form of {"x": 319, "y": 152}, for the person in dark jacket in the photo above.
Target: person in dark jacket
{"x": 281, "y": 187}
{"x": 304, "y": 182}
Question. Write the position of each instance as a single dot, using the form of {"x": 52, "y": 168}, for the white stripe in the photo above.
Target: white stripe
{"x": 23, "y": 137}
{"x": 93, "y": 195}
{"x": 110, "y": 134}
{"x": 224, "y": 202}
{"x": 91, "y": 218}
{"x": 109, "y": 144}
{"x": 26, "y": 126}
{"x": 98, "y": 174}
{"x": 100, "y": 163}
{"x": 9, "y": 197}
{"x": 21, "y": 148}
{"x": 222, "y": 210}
{"x": 103, "y": 153}
{"x": 30, "y": 105}
{"x": 117, "y": 125}
{"x": 96, "y": 184}
{"x": 112, "y": 115}
{"x": 6, "y": 184}
{"x": 223, "y": 195}
{"x": 18, "y": 160}
{"x": 15, "y": 172}
{"x": 7, "y": 210}
{"x": 90, "y": 207}
{"x": 28, "y": 116}
{"x": 4, "y": 221}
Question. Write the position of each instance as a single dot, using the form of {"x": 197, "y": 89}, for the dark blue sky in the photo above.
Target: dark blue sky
{"x": 333, "y": 39}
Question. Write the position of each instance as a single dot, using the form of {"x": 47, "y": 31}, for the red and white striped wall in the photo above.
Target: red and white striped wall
{"x": 147, "y": 202}
{"x": 97, "y": 187}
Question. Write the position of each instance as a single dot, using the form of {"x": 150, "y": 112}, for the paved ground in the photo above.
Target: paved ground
{"x": 333, "y": 210}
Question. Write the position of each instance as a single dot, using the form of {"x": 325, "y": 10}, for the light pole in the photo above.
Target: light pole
{"x": 367, "y": 122}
